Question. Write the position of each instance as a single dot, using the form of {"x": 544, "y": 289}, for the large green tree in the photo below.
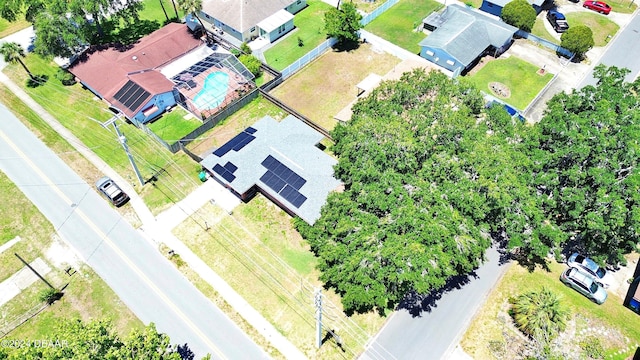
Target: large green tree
{"x": 96, "y": 340}
{"x": 520, "y": 14}
{"x": 343, "y": 23}
{"x": 587, "y": 164}
{"x": 64, "y": 27}
{"x": 429, "y": 177}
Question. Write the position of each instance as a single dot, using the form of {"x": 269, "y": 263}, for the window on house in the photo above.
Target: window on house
{"x": 281, "y": 29}
{"x": 252, "y": 29}
{"x": 298, "y": 2}
{"x": 207, "y": 16}
{"x": 450, "y": 62}
{"x": 429, "y": 52}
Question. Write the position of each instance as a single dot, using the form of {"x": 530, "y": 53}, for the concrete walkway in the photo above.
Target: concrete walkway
{"x": 21, "y": 280}
{"x": 155, "y": 230}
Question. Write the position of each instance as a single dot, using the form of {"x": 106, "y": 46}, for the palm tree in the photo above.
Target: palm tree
{"x": 193, "y": 7}
{"x": 12, "y": 53}
{"x": 540, "y": 314}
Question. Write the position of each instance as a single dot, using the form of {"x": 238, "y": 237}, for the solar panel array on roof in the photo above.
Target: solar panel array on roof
{"x": 283, "y": 181}
{"x": 132, "y": 96}
{"x": 226, "y": 171}
{"x": 237, "y": 143}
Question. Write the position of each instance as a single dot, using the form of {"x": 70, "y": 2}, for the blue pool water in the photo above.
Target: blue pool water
{"x": 213, "y": 92}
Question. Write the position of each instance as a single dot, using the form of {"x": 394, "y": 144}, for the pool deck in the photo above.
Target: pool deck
{"x": 189, "y": 92}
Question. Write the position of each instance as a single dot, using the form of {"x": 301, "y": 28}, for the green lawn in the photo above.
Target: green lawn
{"x": 173, "y": 126}
{"x": 258, "y": 245}
{"x": 397, "y": 24}
{"x": 489, "y": 323}
{"x": 541, "y": 31}
{"x": 622, "y": 6}
{"x": 231, "y": 126}
{"x": 309, "y": 27}
{"x": 599, "y": 24}
{"x": 518, "y": 75}
{"x": 153, "y": 10}
{"x": 8, "y": 28}
{"x": 82, "y": 113}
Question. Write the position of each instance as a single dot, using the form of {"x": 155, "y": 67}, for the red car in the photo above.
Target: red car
{"x": 598, "y": 6}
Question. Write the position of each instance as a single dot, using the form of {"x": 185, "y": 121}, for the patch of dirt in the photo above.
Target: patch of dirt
{"x": 61, "y": 256}
{"x": 484, "y": 61}
{"x": 619, "y": 284}
{"x": 500, "y": 89}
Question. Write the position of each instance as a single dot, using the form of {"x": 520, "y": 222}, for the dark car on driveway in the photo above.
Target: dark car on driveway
{"x": 557, "y": 21}
{"x": 112, "y": 191}
{"x": 599, "y": 6}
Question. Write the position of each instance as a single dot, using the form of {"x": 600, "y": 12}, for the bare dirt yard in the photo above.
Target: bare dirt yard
{"x": 323, "y": 88}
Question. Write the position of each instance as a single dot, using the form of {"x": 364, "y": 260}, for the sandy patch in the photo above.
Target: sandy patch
{"x": 61, "y": 255}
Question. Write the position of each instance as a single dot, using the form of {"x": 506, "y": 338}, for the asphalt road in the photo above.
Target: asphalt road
{"x": 624, "y": 52}
{"x": 435, "y": 331}
{"x": 144, "y": 280}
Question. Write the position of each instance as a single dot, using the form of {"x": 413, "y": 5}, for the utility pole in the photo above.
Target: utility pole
{"x": 123, "y": 141}
{"x": 318, "y": 303}
{"x": 34, "y": 271}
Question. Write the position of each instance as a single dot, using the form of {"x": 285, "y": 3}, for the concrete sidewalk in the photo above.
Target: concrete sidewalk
{"x": 155, "y": 230}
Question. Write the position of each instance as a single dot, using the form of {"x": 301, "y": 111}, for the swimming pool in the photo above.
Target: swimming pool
{"x": 213, "y": 92}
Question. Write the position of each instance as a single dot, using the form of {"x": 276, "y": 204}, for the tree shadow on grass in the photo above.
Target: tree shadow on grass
{"x": 346, "y": 46}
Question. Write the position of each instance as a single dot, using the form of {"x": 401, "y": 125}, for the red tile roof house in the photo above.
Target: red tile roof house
{"x": 130, "y": 78}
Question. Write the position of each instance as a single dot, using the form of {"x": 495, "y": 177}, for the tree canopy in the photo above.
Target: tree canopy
{"x": 74, "y": 339}
{"x": 343, "y": 24}
{"x": 64, "y": 27}
{"x": 520, "y": 14}
{"x": 429, "y": 176}
{"x": 587, "y": 165}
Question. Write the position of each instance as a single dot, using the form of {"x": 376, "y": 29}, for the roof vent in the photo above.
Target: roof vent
{"x": 134, "y": 57}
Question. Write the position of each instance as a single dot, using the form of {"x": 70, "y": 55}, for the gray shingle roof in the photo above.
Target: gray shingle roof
{"x": 465, "y": 34}
{"x": 293, "y": 144}
{"x": 243, "y": 14}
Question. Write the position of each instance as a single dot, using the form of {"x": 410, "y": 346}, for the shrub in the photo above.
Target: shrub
{"x": 245, "y": 48}
{"x": 577, "y": 39}
{"x": 540, "y": 314}
{"x": 49, "y": 295}
{"x": 592, "y": 347}
{"x": 65, "y": 77}
{"x": 252, "y": 63}
{"x": 520, "y": 14}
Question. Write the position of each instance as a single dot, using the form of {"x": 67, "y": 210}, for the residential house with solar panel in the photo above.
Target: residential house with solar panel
{"x": 246, "y": 20}
{"x": 460, "y": 36}
{"x": 281, "y": 161}
{"x": 167, "y": 67}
